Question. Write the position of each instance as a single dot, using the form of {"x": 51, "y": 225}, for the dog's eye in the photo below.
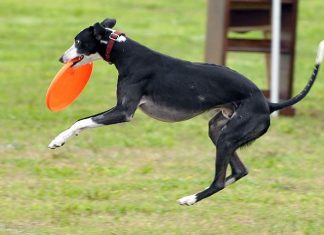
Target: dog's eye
{"x": 77, "y": 42}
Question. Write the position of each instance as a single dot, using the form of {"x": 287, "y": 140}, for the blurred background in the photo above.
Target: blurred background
{"x": 126, "y": 179}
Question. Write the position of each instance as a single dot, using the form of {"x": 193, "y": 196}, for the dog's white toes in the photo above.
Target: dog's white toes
{"x": 55, "y": 144}
{"x": 188, "y": 200}
{"x": 60, "y": 140}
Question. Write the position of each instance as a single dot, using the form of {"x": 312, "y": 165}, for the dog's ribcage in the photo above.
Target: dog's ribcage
{"x": 163, "y": 112}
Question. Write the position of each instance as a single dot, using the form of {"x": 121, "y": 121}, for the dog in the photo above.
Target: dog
{"x": 172, "y": 90}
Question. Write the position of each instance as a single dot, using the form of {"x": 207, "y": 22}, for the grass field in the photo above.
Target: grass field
{"x": 126, "y": 179}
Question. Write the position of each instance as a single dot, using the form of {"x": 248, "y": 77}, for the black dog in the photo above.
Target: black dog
{"x": 171, "y": 90}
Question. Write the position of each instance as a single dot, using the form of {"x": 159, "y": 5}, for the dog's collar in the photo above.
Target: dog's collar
{"x": 115, "y": 36}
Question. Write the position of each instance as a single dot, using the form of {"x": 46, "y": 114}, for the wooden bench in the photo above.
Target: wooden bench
{"x": 225, "y": 16}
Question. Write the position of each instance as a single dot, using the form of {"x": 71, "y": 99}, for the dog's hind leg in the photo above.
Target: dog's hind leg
{"x": 215, "y": 126}
{"x": 244, "y": 126}
{"x": 238, "y": 170}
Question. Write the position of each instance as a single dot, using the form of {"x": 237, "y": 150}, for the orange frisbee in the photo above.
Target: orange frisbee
{"x": 67, "y": 85}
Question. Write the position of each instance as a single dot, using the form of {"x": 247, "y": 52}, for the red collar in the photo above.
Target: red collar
{"x": 110, "y": 44}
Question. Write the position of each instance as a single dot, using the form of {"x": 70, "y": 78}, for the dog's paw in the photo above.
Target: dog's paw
{"x": 188, "y": 200}
{"x": 60, "y": 140}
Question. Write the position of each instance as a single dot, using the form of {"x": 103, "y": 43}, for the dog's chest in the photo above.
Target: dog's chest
{"x": 164, "y": 112}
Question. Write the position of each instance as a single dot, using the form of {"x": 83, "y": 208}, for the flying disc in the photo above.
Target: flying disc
{"x": 67, "y": 85}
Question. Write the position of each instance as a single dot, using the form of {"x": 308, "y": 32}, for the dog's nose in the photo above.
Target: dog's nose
{"x": 61, "y": 59}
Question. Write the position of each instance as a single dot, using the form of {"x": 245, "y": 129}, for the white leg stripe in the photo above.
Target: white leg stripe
{"x": 84, "y": 124}
{"x": 75, "y": 129}
{"x": 230, "y": 181}
{"x": 320, "y": 53}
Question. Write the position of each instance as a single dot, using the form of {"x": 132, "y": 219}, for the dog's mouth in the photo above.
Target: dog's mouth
{"x": 76, "y": 60}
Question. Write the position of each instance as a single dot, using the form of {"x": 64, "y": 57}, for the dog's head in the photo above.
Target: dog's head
{"x": 87, "y": 43}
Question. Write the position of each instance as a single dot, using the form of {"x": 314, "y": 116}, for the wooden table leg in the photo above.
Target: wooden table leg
{"x": 217, "y": 25}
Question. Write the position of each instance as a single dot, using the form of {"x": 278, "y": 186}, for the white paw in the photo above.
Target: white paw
{"x": 188, "y": 200}
{"x": 60, "y": 140}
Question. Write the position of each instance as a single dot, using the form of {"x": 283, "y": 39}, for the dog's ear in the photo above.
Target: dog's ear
{"x": 98, "y": 31}
{"x": 108, "y": 23}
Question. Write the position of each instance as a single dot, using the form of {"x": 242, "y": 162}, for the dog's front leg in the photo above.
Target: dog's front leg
{"x": 74, "y": 130}
{"x": 128, "y": 97}
{"x": 117, "y": 114}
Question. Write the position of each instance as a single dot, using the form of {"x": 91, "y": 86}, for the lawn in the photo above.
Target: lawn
{"x": 126, "y": 179}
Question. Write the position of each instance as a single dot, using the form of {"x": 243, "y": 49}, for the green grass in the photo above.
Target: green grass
{"x": 125, "y": 179}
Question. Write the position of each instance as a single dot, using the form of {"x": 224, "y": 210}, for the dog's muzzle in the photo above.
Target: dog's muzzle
{"x": 61, "y": 59}
{"x": 79, "y": 59}
{"x": 69, "y": 54}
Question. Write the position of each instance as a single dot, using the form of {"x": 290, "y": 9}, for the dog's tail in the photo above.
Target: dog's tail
{"x": 277, "y": 106}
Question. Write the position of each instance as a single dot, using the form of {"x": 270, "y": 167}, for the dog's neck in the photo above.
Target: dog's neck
{"x": 125, "y": 53}
{"x": 111, "y": 37}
